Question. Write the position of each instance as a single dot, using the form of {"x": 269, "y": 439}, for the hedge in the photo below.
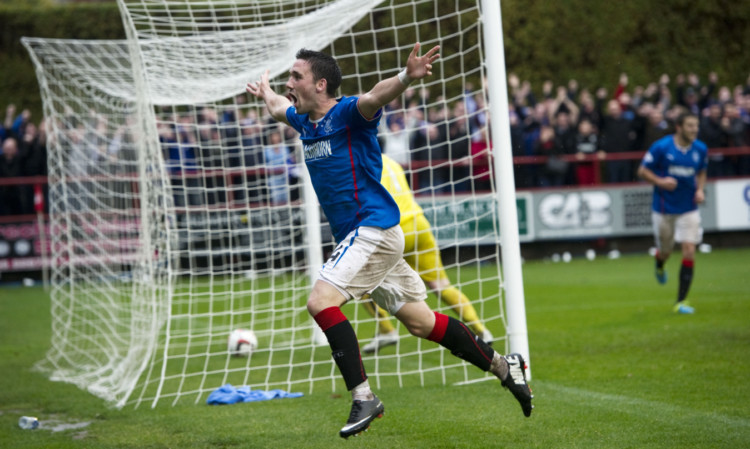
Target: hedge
{"x": 588, "y": 40}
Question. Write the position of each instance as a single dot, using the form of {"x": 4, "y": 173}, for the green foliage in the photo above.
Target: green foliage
{"x": 26, "y": 2}
{"x": 18, "y": 83}
{"x": 594, "y": 42}
{"x": 591, "y": 41}
{"x": 612, "y": 368}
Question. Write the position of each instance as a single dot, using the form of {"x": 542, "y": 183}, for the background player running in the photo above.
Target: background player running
{"x": 676, "y": 166}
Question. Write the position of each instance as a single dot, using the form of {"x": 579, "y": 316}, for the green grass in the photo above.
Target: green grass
{"x": 612, "y": 368}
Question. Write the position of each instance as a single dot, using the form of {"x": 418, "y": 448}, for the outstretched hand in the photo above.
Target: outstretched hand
{"x": 418, "y": 67}
{"x": 258, "y": 88}
{"x": 276, "y": 104}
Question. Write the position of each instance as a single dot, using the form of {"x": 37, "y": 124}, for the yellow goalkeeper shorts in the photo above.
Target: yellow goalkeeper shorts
{"x": 420, "y": 250}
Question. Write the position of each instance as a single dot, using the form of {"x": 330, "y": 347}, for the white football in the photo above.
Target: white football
{"x": 242, "y": 342}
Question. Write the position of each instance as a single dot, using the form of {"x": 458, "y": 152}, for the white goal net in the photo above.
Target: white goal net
{"x": 181, "y": 211}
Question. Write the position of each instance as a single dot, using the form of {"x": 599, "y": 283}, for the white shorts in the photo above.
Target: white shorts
{"x": 671, "y": 228}
{"x": 369, "y": 261}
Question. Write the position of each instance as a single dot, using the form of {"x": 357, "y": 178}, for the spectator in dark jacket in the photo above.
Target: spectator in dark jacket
{"x": 616, "y": 137}
{"x": 12, "y": 199}
{"x": 712, "y": 134}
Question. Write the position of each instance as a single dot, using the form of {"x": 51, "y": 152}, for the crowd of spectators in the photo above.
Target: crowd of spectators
{"x": 570, "y": 120}
{"x": 244, "y": 157}
{"x": 445, "y": 143}
{"x": 23, "y": 152}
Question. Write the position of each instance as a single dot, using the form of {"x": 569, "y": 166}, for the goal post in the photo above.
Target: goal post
{"x": 515, "y": 304}
{"x": 183, "y": 212}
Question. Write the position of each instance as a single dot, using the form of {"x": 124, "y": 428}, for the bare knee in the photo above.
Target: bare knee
{"x": 323, "y": 296}
{"x": 418, "y": 319}
{"x": 688, "y": 251}
{"x": 418, "y": 329}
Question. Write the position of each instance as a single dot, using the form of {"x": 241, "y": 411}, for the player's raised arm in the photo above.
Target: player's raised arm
{"x": 276, "y": 104}
{"x": 417, "y": 67}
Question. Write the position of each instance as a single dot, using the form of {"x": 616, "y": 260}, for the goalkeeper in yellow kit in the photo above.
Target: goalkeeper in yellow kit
{"x": 423, "y": 255}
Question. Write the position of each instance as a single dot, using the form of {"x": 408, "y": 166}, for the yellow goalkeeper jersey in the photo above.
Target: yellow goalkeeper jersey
{"x": 394, "y": 180}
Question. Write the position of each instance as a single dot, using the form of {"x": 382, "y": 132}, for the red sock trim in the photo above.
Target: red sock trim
{"x": 688, "y": 263}
{"x": 329, "y": 317}
{"x": 438, "y": 332}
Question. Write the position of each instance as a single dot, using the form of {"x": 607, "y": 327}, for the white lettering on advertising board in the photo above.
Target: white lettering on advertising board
{"x": 576, "y": 210}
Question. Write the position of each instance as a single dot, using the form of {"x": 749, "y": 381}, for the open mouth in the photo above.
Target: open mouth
{"x": 292, "y": 98}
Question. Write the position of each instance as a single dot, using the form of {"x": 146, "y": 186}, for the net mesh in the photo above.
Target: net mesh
{"x": 182, "y": 211}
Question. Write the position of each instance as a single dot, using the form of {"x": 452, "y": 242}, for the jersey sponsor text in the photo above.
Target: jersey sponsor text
{"x": 681, "y": 171}
{"x": 317, "y": 150}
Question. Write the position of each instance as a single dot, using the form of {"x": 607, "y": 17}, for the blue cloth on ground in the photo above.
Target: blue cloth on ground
{"x": 228, "y": 394}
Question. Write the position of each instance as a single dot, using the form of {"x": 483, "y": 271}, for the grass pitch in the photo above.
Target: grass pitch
{"x": 612, "y": 367}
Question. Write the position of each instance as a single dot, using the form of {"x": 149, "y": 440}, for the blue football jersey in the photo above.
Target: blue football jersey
{"x": 343, "y": 157}
{"x": 665, "y": 159}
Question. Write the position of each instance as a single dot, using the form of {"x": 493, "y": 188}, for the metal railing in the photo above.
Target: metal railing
{"x": 229, "y": 176}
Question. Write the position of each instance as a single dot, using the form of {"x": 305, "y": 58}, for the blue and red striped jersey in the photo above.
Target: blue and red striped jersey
{"x": 664, "y": 158}
{"x": 343, "y": 157}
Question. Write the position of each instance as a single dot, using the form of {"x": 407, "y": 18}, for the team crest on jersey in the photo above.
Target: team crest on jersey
{"x": 696, "y": 157}
{"x": 327, "y": 128}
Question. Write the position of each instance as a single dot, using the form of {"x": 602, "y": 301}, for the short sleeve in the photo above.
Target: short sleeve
{"x": 651, "y": 157}
{"x": 355, "y": 117}
{"x": 294, "y": 119}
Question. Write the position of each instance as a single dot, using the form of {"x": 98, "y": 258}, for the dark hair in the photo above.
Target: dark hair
{"x": 682, "y": 116}
{"x": 323, "y": 66}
